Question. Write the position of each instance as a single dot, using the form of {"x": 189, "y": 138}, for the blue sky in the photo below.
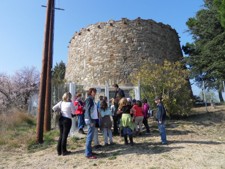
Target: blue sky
{"x": 22, "y": 24}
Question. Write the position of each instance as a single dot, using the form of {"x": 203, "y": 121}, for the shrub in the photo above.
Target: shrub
{"x": 170, "y": 81}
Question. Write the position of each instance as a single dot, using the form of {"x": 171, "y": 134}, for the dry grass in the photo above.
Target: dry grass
{"x": 196, "y": 141}
{"x": 16, "y": 129}
{"x": 13, "y": 118}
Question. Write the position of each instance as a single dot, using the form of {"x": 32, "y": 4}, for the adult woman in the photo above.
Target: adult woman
{"x": 67, "y": 108}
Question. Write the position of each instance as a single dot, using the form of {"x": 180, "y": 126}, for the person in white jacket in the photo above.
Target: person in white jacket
{"x": 65, "y": 121}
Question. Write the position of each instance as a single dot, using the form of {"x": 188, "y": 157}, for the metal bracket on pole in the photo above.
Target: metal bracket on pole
{"x": 54, "y": 8}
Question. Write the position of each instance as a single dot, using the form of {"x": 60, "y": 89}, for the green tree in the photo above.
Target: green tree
{"x": 170, "y": 81}
{"x": 58, "y": 81}
{"x": 221, "y": 11}
{"x": 206, "y": 58}
{"x": 58, "y": 73}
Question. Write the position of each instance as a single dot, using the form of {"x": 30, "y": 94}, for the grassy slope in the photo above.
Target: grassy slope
{"x": 196, "y": 141}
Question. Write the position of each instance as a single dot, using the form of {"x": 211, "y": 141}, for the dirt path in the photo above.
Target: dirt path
{"x": 197, "y": 142}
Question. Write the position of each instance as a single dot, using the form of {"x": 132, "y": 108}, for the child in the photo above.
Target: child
{"x": 106, "y": 122}
{"x": 126, "y": 120}
{"x": 138, "y": 116}
{"x": 79, "y": 104}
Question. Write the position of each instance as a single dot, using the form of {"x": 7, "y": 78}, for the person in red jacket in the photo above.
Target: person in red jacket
{"x": 138, "y": 117}
{"x": 79, "y": 104}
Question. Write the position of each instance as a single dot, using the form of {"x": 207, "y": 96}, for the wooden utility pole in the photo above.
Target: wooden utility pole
{"x": 47, "y": 114}
{"x": 44, "y": 102}
{"x": 44, "y": 73}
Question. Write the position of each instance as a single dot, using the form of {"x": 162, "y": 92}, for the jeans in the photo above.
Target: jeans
{"x": 64, "y": 128}
{"x": 90, "y": 135}
{"x": 162, "y": 131}
{"x": 127, "y": 131}
{"x": 80, "y": 121}
{"x": 95, "y": 137}
{"x": 107, "y": 133}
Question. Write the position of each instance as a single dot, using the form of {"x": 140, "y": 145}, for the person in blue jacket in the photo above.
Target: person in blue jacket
{"x": 91, "y": 114}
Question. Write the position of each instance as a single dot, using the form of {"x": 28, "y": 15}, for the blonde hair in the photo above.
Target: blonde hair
{"x": 112, "y": 101}
{"x": 122, "y": 102}
{"x": 78, "y": 95}
{"x": 67, "y": 97}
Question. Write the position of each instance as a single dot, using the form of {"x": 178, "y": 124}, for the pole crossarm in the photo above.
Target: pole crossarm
{"x": 61, "y": 9}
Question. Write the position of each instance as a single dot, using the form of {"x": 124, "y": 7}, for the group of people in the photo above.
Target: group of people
{"x": 126, "y": 116}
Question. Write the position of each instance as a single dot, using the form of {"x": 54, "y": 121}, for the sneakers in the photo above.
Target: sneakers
{"x": 109, "y": 144}
{"x": 91, "y": 157}
{"x": 66, "y": 153}
{"x": 94, "y": 153}
{"x": 98, "y": 146}
{"x": 147, "y": 133}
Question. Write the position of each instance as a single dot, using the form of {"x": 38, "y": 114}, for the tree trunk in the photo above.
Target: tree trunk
{"x": 220, "y": 95}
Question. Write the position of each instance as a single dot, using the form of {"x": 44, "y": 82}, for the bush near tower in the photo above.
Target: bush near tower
{"x": 168, "y": 80}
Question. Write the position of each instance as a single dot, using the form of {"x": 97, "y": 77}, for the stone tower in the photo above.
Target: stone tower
{"x": 111, "y": 51}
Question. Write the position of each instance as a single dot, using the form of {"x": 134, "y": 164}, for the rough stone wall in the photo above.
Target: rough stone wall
{"x": 112, "y": 51}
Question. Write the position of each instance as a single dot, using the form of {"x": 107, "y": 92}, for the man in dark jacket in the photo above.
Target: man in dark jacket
{"x": 161, "y": 118}
{"x": 118, "y": 91}
{"x": 119, "y": 94}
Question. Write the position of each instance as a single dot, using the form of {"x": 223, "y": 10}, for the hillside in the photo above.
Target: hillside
{"x": 197, "y": 141}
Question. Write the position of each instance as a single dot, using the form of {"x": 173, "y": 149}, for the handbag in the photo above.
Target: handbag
{"x": 106, "y": 122}
{"x": 58, "y": 112}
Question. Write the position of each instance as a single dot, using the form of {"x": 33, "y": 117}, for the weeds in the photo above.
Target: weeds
{"x": 75, "y": 142}
{"x": 15, "y": 118}
{"x": 16, "y": 129}
{"x": 49, "y": 140}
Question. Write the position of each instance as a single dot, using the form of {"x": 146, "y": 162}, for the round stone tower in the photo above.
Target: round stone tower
{"x": 111, "y": 51}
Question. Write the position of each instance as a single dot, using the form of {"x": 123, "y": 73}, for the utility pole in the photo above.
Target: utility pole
{"x": 47, "y": 112}
{"x": 44, "y": 102}
{"x": 42, "y": 88}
